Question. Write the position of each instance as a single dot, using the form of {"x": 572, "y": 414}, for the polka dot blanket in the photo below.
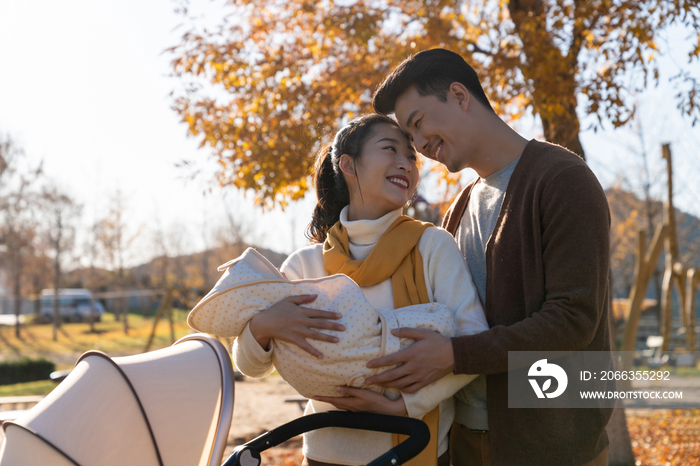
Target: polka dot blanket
{"x": 250, "y": 283}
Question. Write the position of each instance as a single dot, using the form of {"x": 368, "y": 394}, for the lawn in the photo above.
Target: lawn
{"x": 75, "y": 338}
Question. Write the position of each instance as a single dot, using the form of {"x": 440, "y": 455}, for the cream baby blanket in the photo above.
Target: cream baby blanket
{"x": 251, "y": 284}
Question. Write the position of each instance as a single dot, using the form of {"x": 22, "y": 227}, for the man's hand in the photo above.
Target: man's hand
{"x": 429, "y": 359}
{"x": 287, "y": 321}
{"x": 359, "y": 399}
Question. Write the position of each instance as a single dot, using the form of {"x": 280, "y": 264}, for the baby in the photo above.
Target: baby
{"x": 251, "y": 284}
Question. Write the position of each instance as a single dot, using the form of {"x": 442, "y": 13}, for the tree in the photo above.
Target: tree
{"x": 274, "y": 79}
{"x": 115, "y": 242}
{"x": 18, "y": 223}
{"x": 60, "y": 229}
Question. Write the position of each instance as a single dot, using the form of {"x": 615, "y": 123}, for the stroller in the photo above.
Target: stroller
{"x": 170, "y": 407}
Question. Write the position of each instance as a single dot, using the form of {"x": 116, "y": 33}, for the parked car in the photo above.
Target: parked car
{"x": 73, "y": 305}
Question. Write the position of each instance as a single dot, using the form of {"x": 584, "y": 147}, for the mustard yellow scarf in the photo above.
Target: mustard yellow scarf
{"x": 395, "y": 255}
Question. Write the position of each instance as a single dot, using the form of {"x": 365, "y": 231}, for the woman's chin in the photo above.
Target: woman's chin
{"x": 397, "y": 206}
{"x": 385, "y": 206}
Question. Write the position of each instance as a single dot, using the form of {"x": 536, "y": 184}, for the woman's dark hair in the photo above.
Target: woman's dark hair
{"x": 431, "y": 72}
{"x": 331, "y": 188}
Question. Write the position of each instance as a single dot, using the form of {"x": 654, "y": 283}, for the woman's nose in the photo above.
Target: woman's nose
{"x": 403, "y": 163}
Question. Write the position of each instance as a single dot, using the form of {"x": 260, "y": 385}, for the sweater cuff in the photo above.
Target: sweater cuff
{"x": 423, "y": 401}
{"x": 477, "y": 354}
{"x": 250, "y": 358}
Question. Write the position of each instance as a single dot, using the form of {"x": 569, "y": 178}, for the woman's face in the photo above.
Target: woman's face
{"x": 386, "y": 172}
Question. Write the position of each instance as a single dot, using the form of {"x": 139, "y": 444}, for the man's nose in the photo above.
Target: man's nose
{"x": 421, "y": 144}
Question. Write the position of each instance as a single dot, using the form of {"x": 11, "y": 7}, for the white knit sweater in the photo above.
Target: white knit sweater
{"x": 448, "y": 282}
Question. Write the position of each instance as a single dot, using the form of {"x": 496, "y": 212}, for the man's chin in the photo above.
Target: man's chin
{"x": 452, "y": 167}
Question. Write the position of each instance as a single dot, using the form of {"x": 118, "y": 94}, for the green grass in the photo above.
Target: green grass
{"x": 41, "y": 387}
{"x": 74, "y": 339}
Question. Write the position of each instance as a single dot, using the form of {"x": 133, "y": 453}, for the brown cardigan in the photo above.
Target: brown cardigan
{"x": 547, "y": 264}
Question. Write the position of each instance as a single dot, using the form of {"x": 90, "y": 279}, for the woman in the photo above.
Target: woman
{"x": 363, "y": 180}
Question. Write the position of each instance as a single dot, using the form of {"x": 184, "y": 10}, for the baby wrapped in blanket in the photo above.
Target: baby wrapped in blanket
{"x": 250, "y": 284}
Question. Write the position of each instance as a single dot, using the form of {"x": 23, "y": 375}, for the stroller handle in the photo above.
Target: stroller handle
{"x": 417, "y": 430}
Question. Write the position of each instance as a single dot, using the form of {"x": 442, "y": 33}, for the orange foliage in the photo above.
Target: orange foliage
{"x": 666, "y": 438}
{"x": 275, "y": 79}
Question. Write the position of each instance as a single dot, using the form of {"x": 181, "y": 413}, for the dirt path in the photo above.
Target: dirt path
{"x": 259, "y": 406}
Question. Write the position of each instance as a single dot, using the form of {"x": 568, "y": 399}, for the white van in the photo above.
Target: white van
{"x": 73, "y": 305}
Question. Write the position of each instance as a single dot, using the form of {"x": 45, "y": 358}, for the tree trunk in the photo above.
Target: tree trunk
{"x": 125, "y": 313}
{"x": 554, "y": 97}
{"x": 620, "y": 449}
{"x": 56, "y": 312}
{"x": 18, "y": 304}
{"x": 564, "y": 130}
{"x": 92, "y": 314}
{"x": 37, "y": 306}
{"x": 172, "y": 325}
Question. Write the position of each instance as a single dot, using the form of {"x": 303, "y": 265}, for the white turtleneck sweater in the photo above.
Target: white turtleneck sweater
{"x": 448, "y": 282}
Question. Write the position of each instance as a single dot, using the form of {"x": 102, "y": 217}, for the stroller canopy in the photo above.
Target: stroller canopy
{"x": 170, "y": 407}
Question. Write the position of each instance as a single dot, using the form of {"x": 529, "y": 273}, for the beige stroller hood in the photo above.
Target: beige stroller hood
{"x": 170, "y": 407}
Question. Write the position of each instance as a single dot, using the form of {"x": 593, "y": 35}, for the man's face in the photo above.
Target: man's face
{"x": 435, "y": 127}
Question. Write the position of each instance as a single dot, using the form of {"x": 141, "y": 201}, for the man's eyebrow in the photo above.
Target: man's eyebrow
{"x": 410, "y": 118}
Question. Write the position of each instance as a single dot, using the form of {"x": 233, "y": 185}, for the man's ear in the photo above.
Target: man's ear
{"x": 460, "y": 93}
{"x": 347, "y": 165}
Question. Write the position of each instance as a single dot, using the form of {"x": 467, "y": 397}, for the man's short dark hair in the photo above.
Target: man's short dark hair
{"x": 431, "y": 72}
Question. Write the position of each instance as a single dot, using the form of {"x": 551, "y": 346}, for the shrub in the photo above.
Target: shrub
{"x": 25, "y": 370}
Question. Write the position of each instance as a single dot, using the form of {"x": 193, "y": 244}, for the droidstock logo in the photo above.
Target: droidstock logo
{"x": 544, "y": 369}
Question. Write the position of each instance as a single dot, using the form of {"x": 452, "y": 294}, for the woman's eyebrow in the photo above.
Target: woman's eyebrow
{"x": 388, "y": 139}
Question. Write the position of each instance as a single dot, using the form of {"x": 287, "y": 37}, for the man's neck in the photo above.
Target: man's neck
{"x": 504, "y": 147}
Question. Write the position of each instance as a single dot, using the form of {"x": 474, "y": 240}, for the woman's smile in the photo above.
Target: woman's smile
{"x": 399, "y": 180}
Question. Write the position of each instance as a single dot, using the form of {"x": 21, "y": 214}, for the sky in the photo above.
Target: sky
{"x": 84, "y": 87}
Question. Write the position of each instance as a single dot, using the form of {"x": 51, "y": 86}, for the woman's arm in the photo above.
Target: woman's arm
{"x": 286, "y": 320}
{"x": 249, "y": 357}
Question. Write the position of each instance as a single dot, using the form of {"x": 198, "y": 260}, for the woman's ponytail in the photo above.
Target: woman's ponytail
{"x": 332, "y": 194}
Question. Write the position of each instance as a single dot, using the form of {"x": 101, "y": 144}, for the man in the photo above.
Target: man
{"x": 534, "y": 230}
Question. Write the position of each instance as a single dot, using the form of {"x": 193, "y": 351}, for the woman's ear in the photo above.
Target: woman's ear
{"x": 460, "y": 93}
{"x": 347, "y": 165}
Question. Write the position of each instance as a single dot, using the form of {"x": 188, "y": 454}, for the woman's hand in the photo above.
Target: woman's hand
{"x": 287, "y": 321}
{"x": 360, "y": 399}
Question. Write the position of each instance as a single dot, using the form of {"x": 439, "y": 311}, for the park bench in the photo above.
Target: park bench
{"x": 299, "y": 401}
